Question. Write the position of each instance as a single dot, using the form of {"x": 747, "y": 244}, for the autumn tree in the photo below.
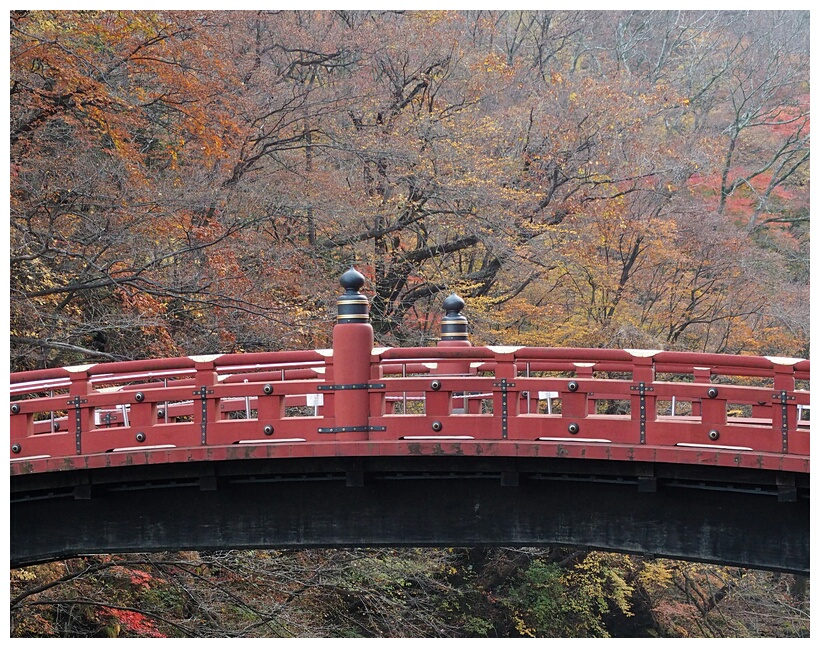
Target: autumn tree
{"x": 225, "y": 167}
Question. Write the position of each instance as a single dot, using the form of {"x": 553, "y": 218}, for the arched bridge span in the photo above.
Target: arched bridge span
{"x": 695, "y": 456}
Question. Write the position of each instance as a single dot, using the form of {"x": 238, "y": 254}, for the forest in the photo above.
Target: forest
{"x": 195, "y": 182}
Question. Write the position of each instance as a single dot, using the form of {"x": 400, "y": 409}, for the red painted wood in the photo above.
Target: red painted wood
{"x": 469, "y": 406}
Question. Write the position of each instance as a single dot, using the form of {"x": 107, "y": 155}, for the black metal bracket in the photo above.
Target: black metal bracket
{"x": 203, "y": 392}
{"x": 784, "y": 398}
{"x": 76, "y": 402}
{"x": 641, "y": 388}
{"x": 647, "y": 480}
{"x": 353, "y": 386}
{"x": 504, "y": 405}
{"x": 353, "y": 428}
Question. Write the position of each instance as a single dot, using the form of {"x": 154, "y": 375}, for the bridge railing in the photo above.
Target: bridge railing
{"x": 521, "y": 394}
{"x": 573, "y": 395}
{"x": 453, "y": 392}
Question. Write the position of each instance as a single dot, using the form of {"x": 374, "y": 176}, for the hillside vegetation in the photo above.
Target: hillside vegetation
{"x": 196, "y": 182}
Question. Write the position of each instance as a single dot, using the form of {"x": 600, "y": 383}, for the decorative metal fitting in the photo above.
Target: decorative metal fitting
{"x": 140, "y": 437}
{"x": 714, "y": 435}
{"x": 712, "y": 393}
{"x": 352, "y": 307}
{"x": 572, "y": 386}
{"x": 15, "y": 409}
{"x": 160, "y": 413}
{"x": 56, "y": 426}
{"x": 268, "y": 389}
{"x": 574, "y": 428}
{"x": 268, "y": 430}
{"x": 139, "y": 397}
{"x": 435, "y": 385}
{"x": 16, "y": 448}
{"x": 453, "y": 324}
{"x": 437, "y": 426}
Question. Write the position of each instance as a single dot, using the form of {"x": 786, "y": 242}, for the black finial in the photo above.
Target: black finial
{"x": 453, "y": 324}
{"x": 453, "y": 305}
{"x": 352, "y": 280}
{"x": 352, "y": 307}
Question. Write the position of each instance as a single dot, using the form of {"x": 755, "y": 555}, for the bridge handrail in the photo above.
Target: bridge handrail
{"x": 723, "y": 363}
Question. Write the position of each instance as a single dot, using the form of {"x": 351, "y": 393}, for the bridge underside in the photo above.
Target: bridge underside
{"x": 707, "y": 514}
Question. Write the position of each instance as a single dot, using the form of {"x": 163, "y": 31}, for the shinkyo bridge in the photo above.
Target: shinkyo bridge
{"x": 686, "y": 455}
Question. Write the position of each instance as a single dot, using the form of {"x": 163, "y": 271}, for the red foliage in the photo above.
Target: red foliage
{"x": 136, "y": 622}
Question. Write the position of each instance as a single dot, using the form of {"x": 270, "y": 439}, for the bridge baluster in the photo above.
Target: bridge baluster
{"x": 711, "y": 407}
{"x": 206, "y": 406}
{"x": 21, "y": 429}
{"x": 713, "y": 412}
{"x": 783, "y": 376}
{"x": 328, "y": 395}
{"x": 702, "y": 375}
{"x": 377, "y": 399}
{"x": 142, "y": 413}
{"x": 584, "y": 370}
{"x": 784, "y": 412}
{"x": 505, "y": 392}
{"x": 573, "y": 401}
{"x": 80, "y": 414}
{"x": 642, "y": 399}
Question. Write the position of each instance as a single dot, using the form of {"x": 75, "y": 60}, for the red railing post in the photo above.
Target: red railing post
{"x": 352, "y": 348}
{"x": 701, "y": 375}
{"x": 80, "y": 414}
{"x": 584, "y": 370}
{"x": 642, "y": 401}
{"x": 713, "y": 411}
{"x": 206, "y": 407}
{"x": 378, "y": 401}
{"x": 21, "y": 426}
{"x": 328, "y": 408}
{"x": 505, "y": 392}
{"x": 142, "y": 413}
{"x": 784, "y": 400}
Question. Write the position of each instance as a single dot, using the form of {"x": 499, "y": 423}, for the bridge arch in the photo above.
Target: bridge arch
{"x": 686, "y": 455}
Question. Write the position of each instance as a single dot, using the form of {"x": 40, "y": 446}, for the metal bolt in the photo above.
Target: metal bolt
{"x": 160, "y": 413}
{"x": 56, "y": 425}
{"x": 268, "y": 389}
{"x": 139, "y": 397}
{"x": 572, "y": 386}
{"x": 574, "y": 428}
{"x": 435, "y": 385}
{"x": 140, "y": 437}
{"x": 712, "y": 393}
{"x": 15, "y": 409}
{"x": 16, "y": 448}
{"x": 714, "y": 435}
{"x": 268, "y": 430}
{"x": 437, "y": 426}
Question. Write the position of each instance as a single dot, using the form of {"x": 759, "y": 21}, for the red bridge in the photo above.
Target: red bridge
{"x": 688, "y": 455}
